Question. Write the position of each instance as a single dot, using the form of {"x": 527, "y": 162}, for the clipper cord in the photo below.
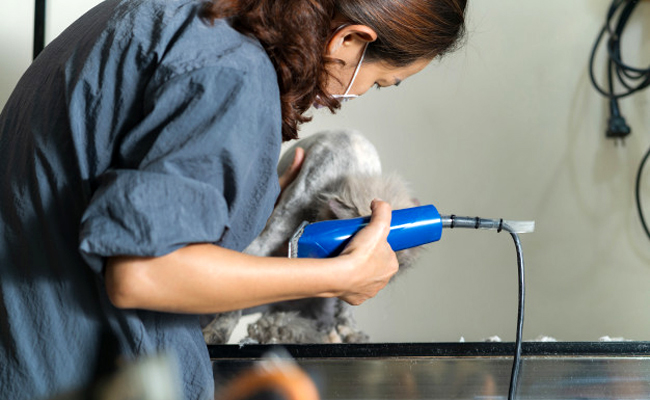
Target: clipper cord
{"x": 513, "y": 227}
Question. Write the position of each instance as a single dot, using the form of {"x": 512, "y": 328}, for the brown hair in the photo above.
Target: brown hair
{"x": 408, "y": 30}
{"x": 294, "y": 34}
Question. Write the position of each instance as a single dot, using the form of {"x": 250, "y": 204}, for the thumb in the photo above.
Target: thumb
{"x": 380, "y": 218}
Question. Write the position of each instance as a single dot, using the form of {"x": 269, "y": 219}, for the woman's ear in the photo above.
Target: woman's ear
{"x": 348, "y": 42}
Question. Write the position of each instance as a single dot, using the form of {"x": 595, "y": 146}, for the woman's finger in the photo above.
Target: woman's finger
{"x": 375, "y": 232}
{"x": 290, "y": 174}
{"x": 381, "y": 216}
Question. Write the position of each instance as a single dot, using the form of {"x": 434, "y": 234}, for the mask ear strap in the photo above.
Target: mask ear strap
{"x": 339, "y": 28}
{"x": 336, "y": 30}
{"x": 356, "y": 70}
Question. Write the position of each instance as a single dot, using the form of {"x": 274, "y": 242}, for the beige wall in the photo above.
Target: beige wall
{"x": 16, "y": 24}
{"x": 16, "y": 34}
{"x": 508, "y": 127}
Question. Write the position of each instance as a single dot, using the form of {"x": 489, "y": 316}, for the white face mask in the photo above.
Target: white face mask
{"x": 347, "y": 96}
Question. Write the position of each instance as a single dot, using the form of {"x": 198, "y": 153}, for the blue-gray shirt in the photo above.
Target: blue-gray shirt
{"x": 139, "y": 130}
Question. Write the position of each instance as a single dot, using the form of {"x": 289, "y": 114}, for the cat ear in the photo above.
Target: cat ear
{"x": 339, "y": 209}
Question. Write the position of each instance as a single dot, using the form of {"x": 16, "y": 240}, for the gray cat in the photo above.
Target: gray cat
{"x": 340, "y": 176}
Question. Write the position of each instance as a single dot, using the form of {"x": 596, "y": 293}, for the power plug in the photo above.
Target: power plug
{"x": 617, "y": 128}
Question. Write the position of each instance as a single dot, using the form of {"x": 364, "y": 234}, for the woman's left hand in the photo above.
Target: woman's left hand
{"x": 290, "y": 174}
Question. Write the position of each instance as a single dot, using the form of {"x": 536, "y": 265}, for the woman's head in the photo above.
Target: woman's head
{"x": 316, "y": 45}
{"x": 407, "y": 30}
{"x": 348, "y": 50}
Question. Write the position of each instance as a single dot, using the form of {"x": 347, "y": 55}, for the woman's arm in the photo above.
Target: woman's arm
{"x": 205, "y": 278}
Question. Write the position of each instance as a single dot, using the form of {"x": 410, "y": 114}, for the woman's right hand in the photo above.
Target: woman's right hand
{"x": 372, "y": 260}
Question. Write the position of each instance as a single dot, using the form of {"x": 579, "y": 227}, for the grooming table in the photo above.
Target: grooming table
{"x": 477, "y": 371}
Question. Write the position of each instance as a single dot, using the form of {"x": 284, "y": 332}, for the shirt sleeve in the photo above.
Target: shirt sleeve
{"x": 200, "y": 161}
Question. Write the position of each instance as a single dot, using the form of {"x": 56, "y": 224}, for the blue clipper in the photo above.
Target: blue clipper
{"x": 409, "y": 227}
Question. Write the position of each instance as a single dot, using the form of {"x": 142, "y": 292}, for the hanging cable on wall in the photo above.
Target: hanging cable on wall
{"x": 39, "y": 27}
{"x": 630, "y": 80}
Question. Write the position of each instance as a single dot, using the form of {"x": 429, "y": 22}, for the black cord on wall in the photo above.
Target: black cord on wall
{"x": 39, "y": 27}
{"x": 630, "y": 80}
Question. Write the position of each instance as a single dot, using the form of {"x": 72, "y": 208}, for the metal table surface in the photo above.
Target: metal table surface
{"x": 561, "y": 370}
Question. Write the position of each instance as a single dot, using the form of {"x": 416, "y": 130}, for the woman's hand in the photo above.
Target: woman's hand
{"x": 373, "y": 260}
{"x": 290, "y": 174}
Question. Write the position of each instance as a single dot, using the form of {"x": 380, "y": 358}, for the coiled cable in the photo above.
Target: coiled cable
{"x": 626, "y": 74}
{"x": 631, "y": 79}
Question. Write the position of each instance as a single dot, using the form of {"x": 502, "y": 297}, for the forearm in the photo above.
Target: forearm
{"x": 204, "y": 278}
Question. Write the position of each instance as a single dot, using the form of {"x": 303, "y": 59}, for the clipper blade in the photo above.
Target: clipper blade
{"x": 293, "y": 242}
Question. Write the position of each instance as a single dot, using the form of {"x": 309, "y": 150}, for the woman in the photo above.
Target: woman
{"x": 140, "y": 152}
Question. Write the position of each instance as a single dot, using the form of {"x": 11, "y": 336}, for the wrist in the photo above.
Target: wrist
{"x": 339, "y": 277}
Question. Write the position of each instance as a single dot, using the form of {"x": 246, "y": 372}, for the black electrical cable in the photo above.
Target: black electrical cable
{"x": 516, "y": 364}
{"x": 638, "y": 193}
{"x": 624, "y": 9}
{"x": 632, "y": 79}
{"x": 477, "y": 223}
